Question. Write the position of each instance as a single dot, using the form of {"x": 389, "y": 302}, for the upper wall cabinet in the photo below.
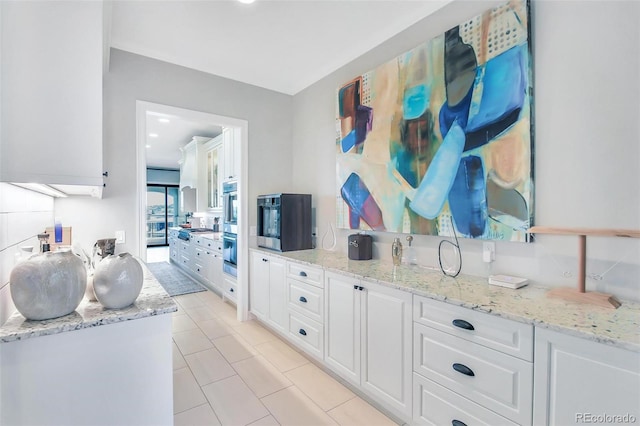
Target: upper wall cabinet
{"x": 231, "y": 148}
{"x": 51, "y": 67}
{"x": 212, "y": 176}
{"x": 189, "y": 165}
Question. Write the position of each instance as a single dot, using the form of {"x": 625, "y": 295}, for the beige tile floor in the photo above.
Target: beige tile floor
{"x": 227, "y": 372}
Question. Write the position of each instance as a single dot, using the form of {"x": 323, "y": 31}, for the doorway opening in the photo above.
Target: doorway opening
{"x": 152, "y": 228}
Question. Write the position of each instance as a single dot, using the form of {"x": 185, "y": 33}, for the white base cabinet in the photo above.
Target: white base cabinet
{"x": 578, "y": 381}
{"x": 429, "y": 362}
{"x": 368, "y": 339}
{"x": 470, "y": 365}
{"x": 268, "y": 290}
{"x": 115, "y": 374}
{"x": 305, "y": 302}
{"x": 436, "y": 405}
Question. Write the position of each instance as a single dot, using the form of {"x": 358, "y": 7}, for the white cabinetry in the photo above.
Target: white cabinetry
{"x": 267, "y": 289}
{"x": 578, "y": 381}
{"x": 201, "y": 258}
{"x": 229, "y": 288}
{"x": 212, "y": 175}
{"x": 193, "y": 174}
{"x": 305, "y": 301}
{"x": 368, "y": 339}
{"x": 231, "y": 151}
{"x": 213, "y": 262}
{"x": 483, "y": 362}
{"x": 173, "y": 245}
{"x": 52, "y": 59}
{"x": 189, "y": 166}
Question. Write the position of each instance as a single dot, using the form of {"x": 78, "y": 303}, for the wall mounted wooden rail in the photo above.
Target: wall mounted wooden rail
{"x": 580, "y": 294}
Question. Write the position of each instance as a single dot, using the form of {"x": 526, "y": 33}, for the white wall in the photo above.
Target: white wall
{"x": 132, "y": 77}
{"x": 23, "y": 215}
{"x": 587, "y": 141}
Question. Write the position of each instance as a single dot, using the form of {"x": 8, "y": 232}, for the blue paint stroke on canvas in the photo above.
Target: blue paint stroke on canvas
{"x": 415, "y": 101}
{"x": 434, "y": 188}
{"x": 468, "y": 198}
{"x": 361, "y": 204}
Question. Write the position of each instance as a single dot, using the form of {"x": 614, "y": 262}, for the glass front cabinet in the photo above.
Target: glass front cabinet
{"x": 214, "y": 156}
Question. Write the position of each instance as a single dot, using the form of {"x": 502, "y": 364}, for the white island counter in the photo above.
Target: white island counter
{"x": 94, "y": 366}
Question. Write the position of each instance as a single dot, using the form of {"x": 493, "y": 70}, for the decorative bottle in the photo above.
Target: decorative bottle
{"x": 396, "y": 251}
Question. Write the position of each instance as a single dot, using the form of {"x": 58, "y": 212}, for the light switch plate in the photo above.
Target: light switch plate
{"x": 119, "y": 237}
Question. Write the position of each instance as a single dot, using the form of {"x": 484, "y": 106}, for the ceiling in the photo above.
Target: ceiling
{"x": 281, "y": 45}
{"x": 166, "y": 134}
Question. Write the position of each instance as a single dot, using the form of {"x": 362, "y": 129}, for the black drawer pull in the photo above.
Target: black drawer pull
{"x": 355, "y": 287}
{"x": 302, "y": 274}
{"x": 461, "y": 368}
{"x": 301, "y": 331}
{"x": 264, "y": 260}
{"x": 303, "y": 299}
{"x": 457, "y": 423}
{"x": 231, "y": 290}
{"x": 462, "y": 324}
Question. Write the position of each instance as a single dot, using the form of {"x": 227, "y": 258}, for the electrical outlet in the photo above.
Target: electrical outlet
{"x": 488, "y": 252}
{"x": 119, "y": 237}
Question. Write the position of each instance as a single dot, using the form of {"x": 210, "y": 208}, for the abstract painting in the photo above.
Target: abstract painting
{"x": 442, "y": 135}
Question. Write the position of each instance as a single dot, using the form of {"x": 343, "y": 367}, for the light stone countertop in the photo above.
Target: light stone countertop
{"x": 618, "y": 327}
{"x": 153, "y": 300}
{"x": 215, "y": 236}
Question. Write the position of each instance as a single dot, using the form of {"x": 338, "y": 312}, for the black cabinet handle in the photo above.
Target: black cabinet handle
{"x": 301, "y": 331}
{"x": 231, "y": 290}
{"x": 461, "y": 368}
{"x": 302, "y": 274}
{"x": 355, "y": 287}
{"x": 264, "y": 260}
{"x": 457, "y": 423}
{"x": 303, "y": 299}
{"x": 462, "y": 324}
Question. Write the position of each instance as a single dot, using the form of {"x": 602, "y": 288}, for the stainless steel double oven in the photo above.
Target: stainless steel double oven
{"x": 230, "y": 228}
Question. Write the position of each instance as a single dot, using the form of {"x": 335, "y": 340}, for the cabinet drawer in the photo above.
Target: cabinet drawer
{"x": 184, "y": 246}
{"x": 436, "y": 405}
{"x": 230, "y": 289}
{"x": 307, "y": 332}
{"x": 305, "y": 273}
{"x": 305, "y": 299}
{"x": 210, "y": 244}
{"x": 511, "y": 337}
{"x": 497, "y": 381}
{"x": 184, "y": 261}
{"x": 198, "y": 269}
{"x": 198, "y": 254}
{"x": 174, "y": 254}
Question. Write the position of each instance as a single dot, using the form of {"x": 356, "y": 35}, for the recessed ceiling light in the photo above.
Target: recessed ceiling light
{"x": 163, "y": 120}
{"x": 147, "y": 146}
{"x": 246, "y": 1}
{"x": 153, "y": 135}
